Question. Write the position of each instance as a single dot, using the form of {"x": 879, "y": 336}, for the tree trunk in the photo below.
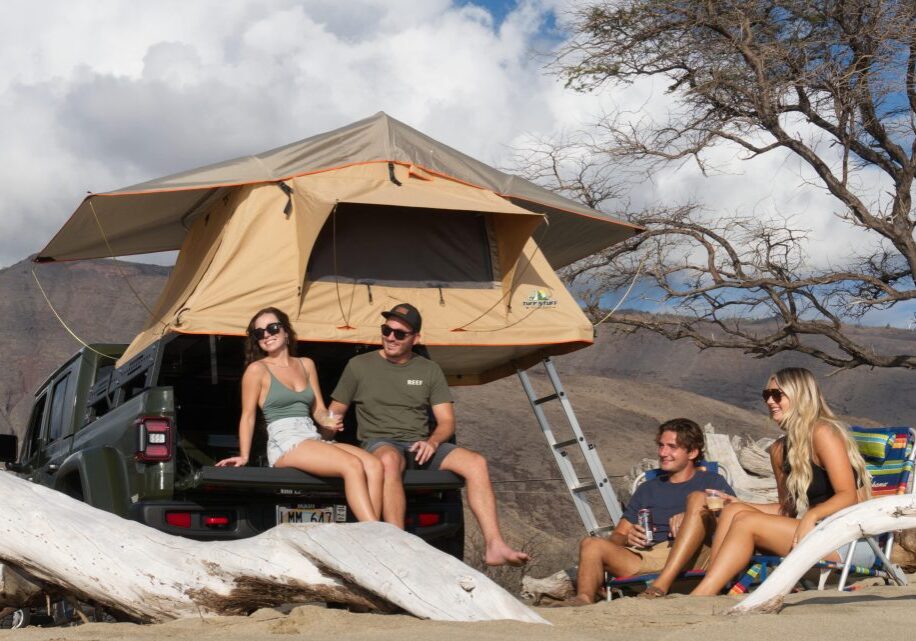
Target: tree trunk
{"x": 151, "y": 576}
{"x": 873, "y": 517}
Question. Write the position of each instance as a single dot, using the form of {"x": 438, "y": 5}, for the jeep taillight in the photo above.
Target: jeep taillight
{"x": 154, "y": 439}
{"x": 178, "y": 519}
{"x": 424, "y": 519}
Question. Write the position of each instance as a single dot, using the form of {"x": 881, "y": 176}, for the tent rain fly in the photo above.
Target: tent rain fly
{"x": 339, "y": 227}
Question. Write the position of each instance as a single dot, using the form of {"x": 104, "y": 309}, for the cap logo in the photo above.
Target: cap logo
{"x": 401, "y": 310}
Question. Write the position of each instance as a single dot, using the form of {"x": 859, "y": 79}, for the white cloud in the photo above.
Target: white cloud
{"x": 776, "y": 185}
{"x": 98, "y": 95}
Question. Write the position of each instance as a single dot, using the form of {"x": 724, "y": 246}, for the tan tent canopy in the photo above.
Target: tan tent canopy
{"x": 156, "y": 215}
{"x": 334, "y": 239}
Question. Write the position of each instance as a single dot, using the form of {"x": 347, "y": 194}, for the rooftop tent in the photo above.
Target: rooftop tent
{"x": 341, "y": 226}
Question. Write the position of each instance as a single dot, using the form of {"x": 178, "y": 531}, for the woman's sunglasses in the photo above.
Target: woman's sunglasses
{"x": 399, "y": 334}
{"x": 775, "y": 394}
{"x": 260, "y": 333}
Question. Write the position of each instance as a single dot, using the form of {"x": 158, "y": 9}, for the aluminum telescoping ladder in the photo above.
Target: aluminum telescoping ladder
{"x": 578, "y": 489}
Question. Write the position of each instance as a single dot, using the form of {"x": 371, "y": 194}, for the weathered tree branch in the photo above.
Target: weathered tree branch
{"x": 869, "y": 518}
{"x": 151, "y": 576}
{"x": 830, "y": 83}
{"x": 750, "y": 269}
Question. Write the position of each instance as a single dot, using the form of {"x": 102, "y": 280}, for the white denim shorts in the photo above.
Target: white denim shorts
{"x": 286, "y": 433}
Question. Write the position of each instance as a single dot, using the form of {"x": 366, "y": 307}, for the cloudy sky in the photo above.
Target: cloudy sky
{"x": 100, "y": 94}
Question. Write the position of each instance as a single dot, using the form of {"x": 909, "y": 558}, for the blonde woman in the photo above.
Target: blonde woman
{"x": 818, "y": 471}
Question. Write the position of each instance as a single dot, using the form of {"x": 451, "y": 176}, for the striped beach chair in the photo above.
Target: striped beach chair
{"x": 889, "y": 455}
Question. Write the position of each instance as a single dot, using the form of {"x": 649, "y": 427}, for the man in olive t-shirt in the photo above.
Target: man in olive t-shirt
{"x": 393, "y": 390}
{"x": 392, "y": 398}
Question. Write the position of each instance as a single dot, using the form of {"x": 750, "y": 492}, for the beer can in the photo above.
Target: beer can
{"x": 644, "y": 518}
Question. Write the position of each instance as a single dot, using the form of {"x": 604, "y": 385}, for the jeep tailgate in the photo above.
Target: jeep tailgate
{"x": 275, "y": 478}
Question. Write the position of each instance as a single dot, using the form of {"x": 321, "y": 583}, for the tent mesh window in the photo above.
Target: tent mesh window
{"x": 405, "y": 247}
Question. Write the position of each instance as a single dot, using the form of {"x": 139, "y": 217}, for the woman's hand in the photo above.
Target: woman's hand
{"x": 233, "y": 461}
{"x": 674, "y": 524}
{"x": 725, "y": 497}
{"x": 805, "y": 525}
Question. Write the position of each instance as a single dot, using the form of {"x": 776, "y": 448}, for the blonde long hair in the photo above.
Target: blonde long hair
{"x": 808, "y": 410}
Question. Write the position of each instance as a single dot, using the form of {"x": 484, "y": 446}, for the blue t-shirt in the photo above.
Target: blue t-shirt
{"x": 665, "y": 499}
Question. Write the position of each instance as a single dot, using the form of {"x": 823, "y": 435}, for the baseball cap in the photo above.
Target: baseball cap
{"x": 407, "y": 313}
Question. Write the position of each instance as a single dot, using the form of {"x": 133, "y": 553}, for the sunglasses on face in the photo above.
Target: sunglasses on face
{"x": 260, "y": 333}
{"x": 399, "y": 334}
{"x": 775, "y": 394}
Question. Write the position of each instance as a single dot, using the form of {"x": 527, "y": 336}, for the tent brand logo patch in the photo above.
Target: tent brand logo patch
{"x": 539, "y": 298}
{"x": 414, "y": 381}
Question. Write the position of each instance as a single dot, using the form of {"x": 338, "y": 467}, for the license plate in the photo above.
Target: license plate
{"x": 311, "y": 513}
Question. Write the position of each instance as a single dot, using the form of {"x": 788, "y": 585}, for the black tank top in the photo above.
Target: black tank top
{"x": 820, "y": 489}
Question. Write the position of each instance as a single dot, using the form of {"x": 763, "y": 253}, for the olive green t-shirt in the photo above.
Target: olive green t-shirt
{"x": 392, "y": 400}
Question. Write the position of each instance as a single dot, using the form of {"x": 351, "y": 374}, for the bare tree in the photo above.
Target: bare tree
{"x": 830, "y": 82}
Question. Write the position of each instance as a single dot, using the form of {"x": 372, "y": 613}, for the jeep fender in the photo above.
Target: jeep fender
{"x": 101, "y": 476}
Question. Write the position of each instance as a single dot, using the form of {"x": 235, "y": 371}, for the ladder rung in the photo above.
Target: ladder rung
{"x": 546, "y": 399}
{"x": 577, "y": 486}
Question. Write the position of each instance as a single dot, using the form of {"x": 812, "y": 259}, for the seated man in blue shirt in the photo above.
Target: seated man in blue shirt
{"x": 682, "y": 524}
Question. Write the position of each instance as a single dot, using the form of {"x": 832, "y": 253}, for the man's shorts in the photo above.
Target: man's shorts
{"x": 654, "y": 559}
{"x": 434, "y": 463}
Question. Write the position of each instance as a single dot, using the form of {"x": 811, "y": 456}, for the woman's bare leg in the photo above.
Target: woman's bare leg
{"x": 374, "y": 474}
{"x": 727, "y": 516}
{"x": 749, "y": 530}
{"x": 325, "y": 459}
{"x": 697, "y": 524}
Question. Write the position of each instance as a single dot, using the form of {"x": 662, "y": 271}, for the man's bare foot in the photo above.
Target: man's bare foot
{"x": 499, "y": 553}
{"x": 573, "y": 602}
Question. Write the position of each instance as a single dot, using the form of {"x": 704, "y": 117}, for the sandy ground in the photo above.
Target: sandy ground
{"x": 807, "y": 615}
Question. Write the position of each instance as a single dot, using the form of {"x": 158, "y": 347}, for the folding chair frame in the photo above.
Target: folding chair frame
{"x": 614, "y": 585}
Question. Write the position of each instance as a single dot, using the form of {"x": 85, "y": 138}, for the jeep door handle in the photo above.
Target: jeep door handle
{"x": 53, "y": 467}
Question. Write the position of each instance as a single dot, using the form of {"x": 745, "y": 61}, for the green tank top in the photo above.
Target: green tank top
{"x": 282, "y": 402}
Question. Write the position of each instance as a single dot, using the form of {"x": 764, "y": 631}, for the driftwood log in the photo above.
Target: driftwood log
{"x": 146, "y": 575}
{"x": 904, "y": 552}
{"x": 719, "y": 448}
{"x": 16, "y": 589}
{"x": 558, "y": 586}
{"x": 872, "y": 518}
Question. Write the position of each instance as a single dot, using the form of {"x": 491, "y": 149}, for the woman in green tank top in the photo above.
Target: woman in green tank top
{"x": 286, "y": 389}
